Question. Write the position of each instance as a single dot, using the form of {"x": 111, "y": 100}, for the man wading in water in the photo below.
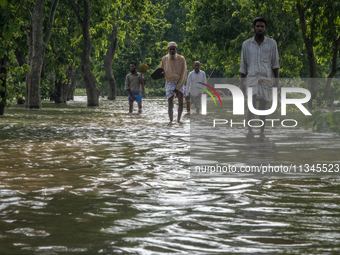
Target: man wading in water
{"x": 193, "y": 93}
{"x": 133, "y": 86}
{"x": 175, "y": 73}
{"x": 260, "y": 65}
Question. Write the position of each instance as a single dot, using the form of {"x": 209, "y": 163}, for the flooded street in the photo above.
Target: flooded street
{"x": 99, "y": 181}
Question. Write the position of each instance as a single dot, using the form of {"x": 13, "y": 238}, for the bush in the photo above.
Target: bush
{"x": 160, "y": 92}
{"x": 80, "y": 92}
{"x": 324, "y": 122}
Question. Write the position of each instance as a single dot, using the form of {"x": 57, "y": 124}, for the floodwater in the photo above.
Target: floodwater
{"x": 78, "y": 180}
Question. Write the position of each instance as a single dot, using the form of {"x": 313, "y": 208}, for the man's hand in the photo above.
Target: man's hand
{"x": 242, "y": 86}
{"x": 175, "y": 92}
{"x": 130, "y": 95}
{"x": 276, "y": 80}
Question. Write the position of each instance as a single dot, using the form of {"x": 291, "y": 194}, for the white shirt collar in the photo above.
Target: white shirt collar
{"x": 195, "y": 72}
{"x": 254, "y": 41}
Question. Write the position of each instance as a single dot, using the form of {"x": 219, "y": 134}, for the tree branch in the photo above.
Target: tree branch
{"x": 76, "y": 11}
{"x": 49, "y": 25}
{"x": 285, "y": 36}
{"x": 331, "y": 27}
{"x": 301, "y": 12}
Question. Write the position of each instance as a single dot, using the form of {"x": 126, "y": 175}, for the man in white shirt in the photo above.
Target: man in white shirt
{"x": 260, "y": 66}
{"x": 192, "y": 92}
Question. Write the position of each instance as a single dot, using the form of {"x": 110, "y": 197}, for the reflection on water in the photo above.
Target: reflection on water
{"x": 96, "y": 180}
{"x": 299, "y": 153}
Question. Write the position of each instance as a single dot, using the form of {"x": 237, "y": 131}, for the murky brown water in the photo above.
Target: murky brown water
{"x": 96, "y": 180}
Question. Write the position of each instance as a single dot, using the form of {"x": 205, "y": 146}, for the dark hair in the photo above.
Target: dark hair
{"x": 260, "y": 19}
{"x": 133, "y": 63}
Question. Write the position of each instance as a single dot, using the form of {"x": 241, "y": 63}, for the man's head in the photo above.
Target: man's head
{"x": 172, "y": 49}
{"x": 197, "y": 66}
{"x": 133, "y": 66}
{"x": 259, "y": 26}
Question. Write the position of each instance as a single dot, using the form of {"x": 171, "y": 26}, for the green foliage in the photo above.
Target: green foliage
{"x": 323, "y": 122}
{"x": 80, "y": 92}
{"x": 209, "y": 31}
{"x": 160, "y": 92}
{"x": 12, "y": 25}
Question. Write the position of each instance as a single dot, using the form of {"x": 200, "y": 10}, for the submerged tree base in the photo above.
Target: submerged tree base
{"x": 34, "y": 107}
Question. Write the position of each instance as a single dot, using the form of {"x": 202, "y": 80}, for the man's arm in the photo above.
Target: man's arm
{"x": 183, "y": 75}
{"x": 242, "y": 86}
{"x": 163, "y": 65}
{"x": 275, "y": 65}
{"x": 243, "y": 68}
{"x": 130, "y": 95}
{"x": 127, "y": 88}
{"x": 276, "y": 75}
{"x": 204, "y": 78}
{"x": 141, "y": 79}
{"x": 188, "y": 86}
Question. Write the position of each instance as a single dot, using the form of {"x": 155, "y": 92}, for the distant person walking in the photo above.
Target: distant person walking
{"x": 133, "y": 86}
{"x": 175, "y": 72}
{"x": 259, "y": 65}
{"x": 193, "y": 93}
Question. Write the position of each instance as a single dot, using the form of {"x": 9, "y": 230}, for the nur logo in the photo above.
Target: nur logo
{"x": 204, "y": 97}
{"x": 238, "y": 99}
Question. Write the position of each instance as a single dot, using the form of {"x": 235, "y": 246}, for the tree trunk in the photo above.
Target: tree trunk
{"x": 90, "y": 81}
{"x": 52, "y": 87}
{"x": 47, "y": 32}
{"x": 61, "y": 87}
{"x": 335, "y": 69}
{"x": 3, "y": 76}
{"x": 57, "y": 91}
{"x": 60, "y": 91}
{"x": 21, "y": 62}
{"x": 108, "y": 64}
{"x": 34, "y": 95}
{"x": 29, "y": 59}
{"x": 310, "y": 51}
{"x": 72, "y": 87}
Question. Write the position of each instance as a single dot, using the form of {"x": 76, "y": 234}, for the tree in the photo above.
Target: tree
{"x": 33, "y": 97}
{"x": 217, "y": 29}
{"x": 11, "y": 30}
{"x": 108, "y": 63}
{"x": 331, "y": 12}
{"x": 308, "y": 34}
{"x": 38, "y": 35}
{"x": 89, "y": 79}
{"x": 123, "y": 32}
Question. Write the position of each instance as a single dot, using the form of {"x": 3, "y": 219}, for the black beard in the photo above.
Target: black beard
{"x": 259, "y": 37}
{"x": 132, "y": 71}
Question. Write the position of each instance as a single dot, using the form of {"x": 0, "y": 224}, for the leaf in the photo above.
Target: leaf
{"x": 329, "y": 117}
{"x": 3, "y": 3}
{"x": 316, "y": 114}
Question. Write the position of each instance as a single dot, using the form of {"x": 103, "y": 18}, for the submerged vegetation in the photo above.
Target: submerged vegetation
{"x": 325, "y": 121}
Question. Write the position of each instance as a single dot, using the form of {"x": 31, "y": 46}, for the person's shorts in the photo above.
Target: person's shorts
{"x": 138, "y": 97}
